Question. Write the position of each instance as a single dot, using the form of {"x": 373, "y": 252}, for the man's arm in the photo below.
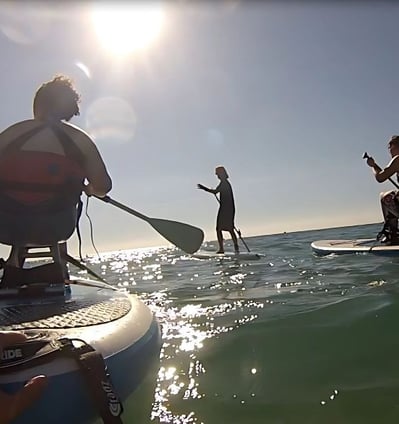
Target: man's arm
{"x": 209, "y": 190}
{"x": 99, "y": 181}
{"x": 382, "y": 175}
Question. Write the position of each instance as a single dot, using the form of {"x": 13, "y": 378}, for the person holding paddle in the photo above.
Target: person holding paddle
{"x": 389, "y": 200}
{"x": 226, "y": 213}
{"x": 45, "y": 164}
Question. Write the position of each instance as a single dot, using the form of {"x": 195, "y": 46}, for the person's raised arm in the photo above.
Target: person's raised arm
{"x": 209, "y": 190}
{"x": 382, "y": 175}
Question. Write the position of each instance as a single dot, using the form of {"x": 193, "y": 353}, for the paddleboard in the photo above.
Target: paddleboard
{"x": 248, "y": 256}
{"x": 90, "y": 316}
{"x": 326, "y": 247}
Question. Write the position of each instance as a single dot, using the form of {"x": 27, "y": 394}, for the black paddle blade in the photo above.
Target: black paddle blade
{"x": 184, "y": 236}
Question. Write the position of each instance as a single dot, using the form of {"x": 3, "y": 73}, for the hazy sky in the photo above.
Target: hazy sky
{"x": 286, "y": 95}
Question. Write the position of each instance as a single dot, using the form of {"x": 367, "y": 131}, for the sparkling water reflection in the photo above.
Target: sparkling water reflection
{"x": 272, "y": 339}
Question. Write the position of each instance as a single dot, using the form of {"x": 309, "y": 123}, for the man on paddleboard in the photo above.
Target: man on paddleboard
{"x": 226, "y": 213}
{"x": 45, "y": 164}
{"x": 389, "y": 200}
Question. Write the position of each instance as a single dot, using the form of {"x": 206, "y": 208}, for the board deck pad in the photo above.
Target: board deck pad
{"x": 92, "y": 316}
{"x": 80, "y": 312}
{"x": 326, "y": 247}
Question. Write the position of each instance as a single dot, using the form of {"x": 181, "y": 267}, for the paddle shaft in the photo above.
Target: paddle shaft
{"x": 366, "y": 156}
{"x": 243, "y": 241}
{"x": 108, "y": 199}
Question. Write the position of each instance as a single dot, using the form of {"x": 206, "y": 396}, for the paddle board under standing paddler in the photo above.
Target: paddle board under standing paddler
{"x": 249, "y": 256}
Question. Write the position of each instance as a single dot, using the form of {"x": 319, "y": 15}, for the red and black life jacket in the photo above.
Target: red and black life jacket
{"x": 35, "y": 181}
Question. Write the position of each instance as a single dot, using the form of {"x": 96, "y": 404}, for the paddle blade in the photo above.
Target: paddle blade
{"x": 184, "y": 236}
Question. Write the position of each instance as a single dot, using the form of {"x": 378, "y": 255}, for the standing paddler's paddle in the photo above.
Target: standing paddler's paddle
{"x": 184, "y": 236}
{"x": 366, "y": 156}
{"x": 243, "y": 241}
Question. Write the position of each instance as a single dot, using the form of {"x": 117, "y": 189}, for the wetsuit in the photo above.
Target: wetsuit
{"x": 226, "y": 213}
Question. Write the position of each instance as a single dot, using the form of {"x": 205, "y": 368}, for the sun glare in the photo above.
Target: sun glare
{"x": 123, "y": 28}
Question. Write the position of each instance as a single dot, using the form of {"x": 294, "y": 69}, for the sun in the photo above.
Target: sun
{"x": 123, "y": 28}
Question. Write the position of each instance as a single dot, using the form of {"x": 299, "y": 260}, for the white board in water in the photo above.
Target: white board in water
{"x": 326, "y": 247}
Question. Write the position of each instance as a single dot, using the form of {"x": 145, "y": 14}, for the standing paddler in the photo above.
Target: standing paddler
{"x": 226, "y": 213}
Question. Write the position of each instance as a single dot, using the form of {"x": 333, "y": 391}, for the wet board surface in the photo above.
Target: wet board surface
{"x": 249, "y": 256}
{"x": 326, "y": 247}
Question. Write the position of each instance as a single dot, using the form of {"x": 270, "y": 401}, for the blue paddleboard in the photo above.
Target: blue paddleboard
{"x": 115, "y": 324}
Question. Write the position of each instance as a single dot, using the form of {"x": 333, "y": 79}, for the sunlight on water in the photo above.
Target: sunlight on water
{"x": 269, "y": 339}
{"x": 186, "y": 330}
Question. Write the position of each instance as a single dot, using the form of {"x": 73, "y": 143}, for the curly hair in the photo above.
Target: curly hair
{"x": 56, "y": 99}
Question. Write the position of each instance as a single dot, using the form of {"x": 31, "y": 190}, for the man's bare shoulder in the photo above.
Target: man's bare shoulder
{"x": 21, "y": 126}
{"x": 75, "y": 131}
{"x": 15, "y": 130}
{"x": 394, "y": 163}
{"x": 80, "y": 137}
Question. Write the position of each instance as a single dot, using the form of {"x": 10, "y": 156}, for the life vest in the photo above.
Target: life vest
{"x": 35, "y": 181}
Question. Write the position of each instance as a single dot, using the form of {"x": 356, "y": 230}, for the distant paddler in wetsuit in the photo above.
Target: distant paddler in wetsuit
{"x": 45, "y": 164}
{"x": 390, "y": 199}
{"x": 226, "y": 213}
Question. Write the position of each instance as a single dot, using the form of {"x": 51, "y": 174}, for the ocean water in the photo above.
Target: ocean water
{"x": 289, "y": 338}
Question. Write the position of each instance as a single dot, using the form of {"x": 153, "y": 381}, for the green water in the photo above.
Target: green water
{"x": 290, "y": 338}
